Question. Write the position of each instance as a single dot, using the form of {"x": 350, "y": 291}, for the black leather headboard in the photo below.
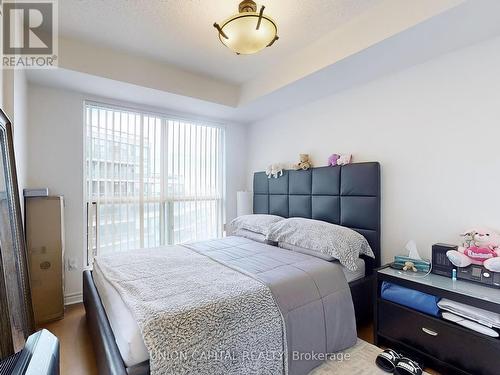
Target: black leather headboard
{"x": 347, "y": 196}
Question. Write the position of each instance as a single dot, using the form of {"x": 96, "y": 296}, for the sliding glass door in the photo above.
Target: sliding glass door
{"x": 151, "y": 180}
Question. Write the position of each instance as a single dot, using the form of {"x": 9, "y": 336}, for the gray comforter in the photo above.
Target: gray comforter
{"x": 241, "y": 303}
{"x": 312, "y": 294}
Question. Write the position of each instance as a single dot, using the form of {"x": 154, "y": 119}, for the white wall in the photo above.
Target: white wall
{"x": 236, "y": 152}
{"x": 377, "y": 23}
{"x": 13, "y": 101}
{"x": 20, "y": 130}
{"x": 55, "y": 140}
{"x": 435, "y": 128}
{"x": 79, "y": 56}
{"x": 55, "y": 160}
{"x": 7, "y": 97}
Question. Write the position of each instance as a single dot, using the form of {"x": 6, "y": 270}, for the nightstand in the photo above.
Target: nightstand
{"x": 439, "y": 344}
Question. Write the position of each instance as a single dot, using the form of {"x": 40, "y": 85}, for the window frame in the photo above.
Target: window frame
{"x": 145, "y": 111}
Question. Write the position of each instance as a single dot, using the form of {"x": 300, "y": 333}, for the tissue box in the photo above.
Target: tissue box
{"x": 420, "y": 264}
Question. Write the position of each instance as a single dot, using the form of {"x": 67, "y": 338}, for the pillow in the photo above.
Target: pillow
{"x": 302, "y": 250}
{"x": 339, "y": 242}
{"x": 245, "y": 233}
{"x": 254, "y": 223}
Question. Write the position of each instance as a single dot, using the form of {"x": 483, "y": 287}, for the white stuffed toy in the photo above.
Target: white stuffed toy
{"x": 269, "y": 171}
{"x": 344, "y": 159}
{"x": 275, "y": 170}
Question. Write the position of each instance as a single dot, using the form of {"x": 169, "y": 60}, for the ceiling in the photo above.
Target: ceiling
{"x": 180, "y": 32}
{"x": 465, "y": 25}
{"x": 352, "y": 42}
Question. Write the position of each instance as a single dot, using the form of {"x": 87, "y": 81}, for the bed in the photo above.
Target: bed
{"x": 349, "y": 196}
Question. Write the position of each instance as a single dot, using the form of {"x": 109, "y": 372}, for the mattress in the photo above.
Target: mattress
{"x": 128, "y": 337}
{"x": 126, "y": 331}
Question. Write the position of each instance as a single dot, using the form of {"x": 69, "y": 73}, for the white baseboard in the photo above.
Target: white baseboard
{"x": 72, "y": 298}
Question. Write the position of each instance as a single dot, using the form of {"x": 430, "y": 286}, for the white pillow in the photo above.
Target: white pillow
{"x": 245, "y": 233}
{"x": 302, "y": 250}
{"x": 255, "y": 223}
{"x": 339, "y": 242}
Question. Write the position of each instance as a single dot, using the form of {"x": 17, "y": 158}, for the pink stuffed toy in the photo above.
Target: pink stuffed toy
{"x": 332, "y": 160}
{"x": 481, "y": 247}
{"x": 336, "y": 159}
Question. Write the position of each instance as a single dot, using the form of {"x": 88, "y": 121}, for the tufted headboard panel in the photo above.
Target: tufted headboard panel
{"x": 347, "y": 196}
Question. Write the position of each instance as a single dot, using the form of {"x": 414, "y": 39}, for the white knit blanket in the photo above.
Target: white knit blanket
{"x": 196, "y": 315}
{"x": 484, "y": 317}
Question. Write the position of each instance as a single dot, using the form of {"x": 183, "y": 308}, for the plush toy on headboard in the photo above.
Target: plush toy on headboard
{"x": 304, "y": 163}
{"x": 481, "y": 247}
{"x": 344, "y": 159}
{"x": 336, "y": 159}
{"x": 275, "y": 170}
{"x": 332, "y": 160}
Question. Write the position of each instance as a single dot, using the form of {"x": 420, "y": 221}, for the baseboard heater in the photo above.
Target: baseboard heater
{"x": 40, "y": 356}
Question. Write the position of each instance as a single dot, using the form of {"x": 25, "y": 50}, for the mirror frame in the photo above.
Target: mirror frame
{"x": 20, "y": 256}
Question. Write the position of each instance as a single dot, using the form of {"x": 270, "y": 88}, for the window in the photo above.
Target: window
{"x": 151, "y": 180}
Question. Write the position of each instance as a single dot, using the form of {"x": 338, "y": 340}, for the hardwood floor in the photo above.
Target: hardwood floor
{"x": 77, "y": 354}
{"x": 366, "y": 333}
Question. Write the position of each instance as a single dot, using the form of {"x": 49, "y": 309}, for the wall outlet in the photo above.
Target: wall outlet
{"x": 72, "y": 264}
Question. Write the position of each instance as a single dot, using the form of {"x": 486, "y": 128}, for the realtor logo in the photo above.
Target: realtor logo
{"x": 29, "y": 33}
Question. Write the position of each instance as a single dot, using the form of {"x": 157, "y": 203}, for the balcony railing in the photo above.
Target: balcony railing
{"x": 126, "y": 223}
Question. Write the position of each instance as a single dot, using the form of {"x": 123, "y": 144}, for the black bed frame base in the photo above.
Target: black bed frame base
{"x": 108, "y": 358}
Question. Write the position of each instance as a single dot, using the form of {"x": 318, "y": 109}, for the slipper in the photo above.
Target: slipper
{"x": 387, "y": 360}
{"x": 406, "y": 366}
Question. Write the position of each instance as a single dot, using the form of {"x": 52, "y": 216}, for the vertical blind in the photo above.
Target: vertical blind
{"x": 151, "y": 180}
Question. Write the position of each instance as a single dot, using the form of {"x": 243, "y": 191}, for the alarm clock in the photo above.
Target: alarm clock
{"x": 441, "y": 265}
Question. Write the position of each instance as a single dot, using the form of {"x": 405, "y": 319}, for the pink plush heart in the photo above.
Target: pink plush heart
{"x": 479, "y": 253}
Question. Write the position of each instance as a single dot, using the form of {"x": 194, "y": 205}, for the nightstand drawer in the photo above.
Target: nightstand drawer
{"x": 451, "y": 344}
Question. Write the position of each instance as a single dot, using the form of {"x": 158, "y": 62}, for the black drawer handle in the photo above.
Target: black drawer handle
{"x": 429, "y": 331}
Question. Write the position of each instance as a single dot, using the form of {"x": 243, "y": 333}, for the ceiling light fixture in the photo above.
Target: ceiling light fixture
{"x": 248, "y": 31}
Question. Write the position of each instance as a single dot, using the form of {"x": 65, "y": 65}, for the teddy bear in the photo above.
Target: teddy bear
{"x": 304, "y": 163}
{"x": 275, "y": 170}
{"x": 481, "y": 246}
{"x": 336, "y": 159}
{"x": 410, "y": 266}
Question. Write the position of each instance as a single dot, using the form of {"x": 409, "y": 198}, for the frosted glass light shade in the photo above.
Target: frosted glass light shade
{"x": 243, "y": 36}
{"x": 244, "y": 203}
